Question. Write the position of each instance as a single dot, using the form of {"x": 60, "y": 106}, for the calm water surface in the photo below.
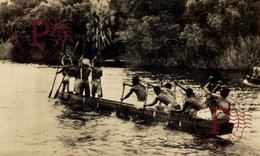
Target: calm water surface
{"x": 32, "y": 124}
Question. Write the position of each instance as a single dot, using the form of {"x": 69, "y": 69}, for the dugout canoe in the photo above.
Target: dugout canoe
{"x": 253, "y": 80}
{"x": 175, "y": 121}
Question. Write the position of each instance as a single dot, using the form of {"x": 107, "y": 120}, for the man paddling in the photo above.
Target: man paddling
{"x": 137, "y": 88}
{"x": 192, "y": 105}
{"x": 165, "y": 97}
{"x": 210, "y": 91}
{"x": 223, "y": 105}
{"x": 168, "y": 87}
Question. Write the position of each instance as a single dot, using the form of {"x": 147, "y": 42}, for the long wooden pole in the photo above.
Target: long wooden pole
{"x": 54, "y": 81}
{"x": 56, "y": 94}
{"x": 57, "y": 68}
{"x": 121, "y": 101}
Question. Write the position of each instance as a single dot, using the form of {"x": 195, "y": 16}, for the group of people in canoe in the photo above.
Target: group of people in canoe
{"x": 80, "y": 70}
{"x": 216, "y": 97}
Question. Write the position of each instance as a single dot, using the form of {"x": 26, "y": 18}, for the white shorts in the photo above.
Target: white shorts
{"x": 78, "y": 84}
{"x": 204, "y": 114}
{"x": 66, "y": 78}
{"x": 71, "y": 84}
{"x": 220, "y": 115}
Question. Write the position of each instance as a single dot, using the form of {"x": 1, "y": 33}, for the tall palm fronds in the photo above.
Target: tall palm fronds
{"x": 99, "y": 27}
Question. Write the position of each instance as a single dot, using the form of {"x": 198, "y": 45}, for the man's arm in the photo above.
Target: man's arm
{"x": 153, "y": 103}
{"x": 174, "y": 92}
{"x": 127, "y": 95}
{"x": 61, "y": 70}
{"x": 127, "y": 84}
{"x": 180, "y": 86}
{"x": 183, "y": 109}
{"x": 219, "y": 83}
{"x": 205, "y": 88}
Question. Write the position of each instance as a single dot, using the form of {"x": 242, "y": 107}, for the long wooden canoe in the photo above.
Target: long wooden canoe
{"x": 254, "y": 80}
{"x": 176, "y": 121}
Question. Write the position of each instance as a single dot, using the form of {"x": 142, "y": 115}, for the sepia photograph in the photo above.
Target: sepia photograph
{"x": 129, "y": 77}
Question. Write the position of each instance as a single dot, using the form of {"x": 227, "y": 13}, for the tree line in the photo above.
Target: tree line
{"x": 157, "y": 33}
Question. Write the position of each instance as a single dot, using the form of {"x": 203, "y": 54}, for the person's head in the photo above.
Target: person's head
{"x": 224, "y": 92}
{"x": 135, "y": 80}
{"x": 189, "y": 92}
{"x": 211, "y": 79}
{"x": 168, "y": 85}
{"x": 157, "y": 90}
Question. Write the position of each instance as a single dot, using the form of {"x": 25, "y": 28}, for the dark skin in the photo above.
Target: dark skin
{"x": 138, "y": 89}
{"x": 65, "y": 71}
{"x": 191, "y": 100}
{"x": 166, "y": 98}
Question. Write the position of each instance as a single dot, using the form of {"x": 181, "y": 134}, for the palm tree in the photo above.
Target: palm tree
{"x": 98, "y": 29}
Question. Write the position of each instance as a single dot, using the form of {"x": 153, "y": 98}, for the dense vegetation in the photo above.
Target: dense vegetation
{"x": 222, "y": 34}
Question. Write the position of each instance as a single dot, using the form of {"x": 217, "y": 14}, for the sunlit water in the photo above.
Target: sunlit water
{"x": 33, "y": 124}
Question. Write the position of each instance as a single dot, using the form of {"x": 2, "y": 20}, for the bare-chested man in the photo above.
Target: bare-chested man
{"x": 210, "y": 91}
{"x": 223, "y": 105}
{"x": 193, "y": 105}
{"x": 137, "y": 88}
{"x": 165, "y": 97}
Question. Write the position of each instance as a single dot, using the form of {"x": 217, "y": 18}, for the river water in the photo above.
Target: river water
{"x": 33, "y": 124}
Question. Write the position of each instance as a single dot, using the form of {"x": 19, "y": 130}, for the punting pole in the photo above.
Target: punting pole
{"x": 56, "y": 94}
{"x": 119, "y": 110}
{"x": 57, "y": 68}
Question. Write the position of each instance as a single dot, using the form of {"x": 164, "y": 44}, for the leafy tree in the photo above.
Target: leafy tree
{"x": 149, "y": 40}
{"x": 222, "y": 29}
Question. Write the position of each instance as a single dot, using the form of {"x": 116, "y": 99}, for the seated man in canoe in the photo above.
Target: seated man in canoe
{"x": 210, "y": 90}
{"x": 165, "y": 97}
{"x": 222, "y": 105}
{"x": 137, "y": 88}
{"x": 168, "y": 87}
{"x": 211, "y": 84}
{"x": 96, "y": 80}
{"x": 193, "y": 105}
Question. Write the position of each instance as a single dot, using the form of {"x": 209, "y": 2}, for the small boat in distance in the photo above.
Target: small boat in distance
{"x": 254, "y": 78}
{"x": 177, "y": 121}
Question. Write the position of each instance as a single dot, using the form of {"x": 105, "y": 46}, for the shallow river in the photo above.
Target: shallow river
{"x": 33, "y": 124}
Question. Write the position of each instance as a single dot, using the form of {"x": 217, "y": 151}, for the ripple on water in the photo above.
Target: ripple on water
{"x": 41, "y": 126}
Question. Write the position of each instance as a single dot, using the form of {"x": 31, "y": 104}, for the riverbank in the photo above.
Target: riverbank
{"x": 230, "y": 60}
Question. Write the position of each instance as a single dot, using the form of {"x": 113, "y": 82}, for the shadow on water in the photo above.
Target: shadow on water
{"x": 75, "y": 117}
{"x": 88, "y": 127}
